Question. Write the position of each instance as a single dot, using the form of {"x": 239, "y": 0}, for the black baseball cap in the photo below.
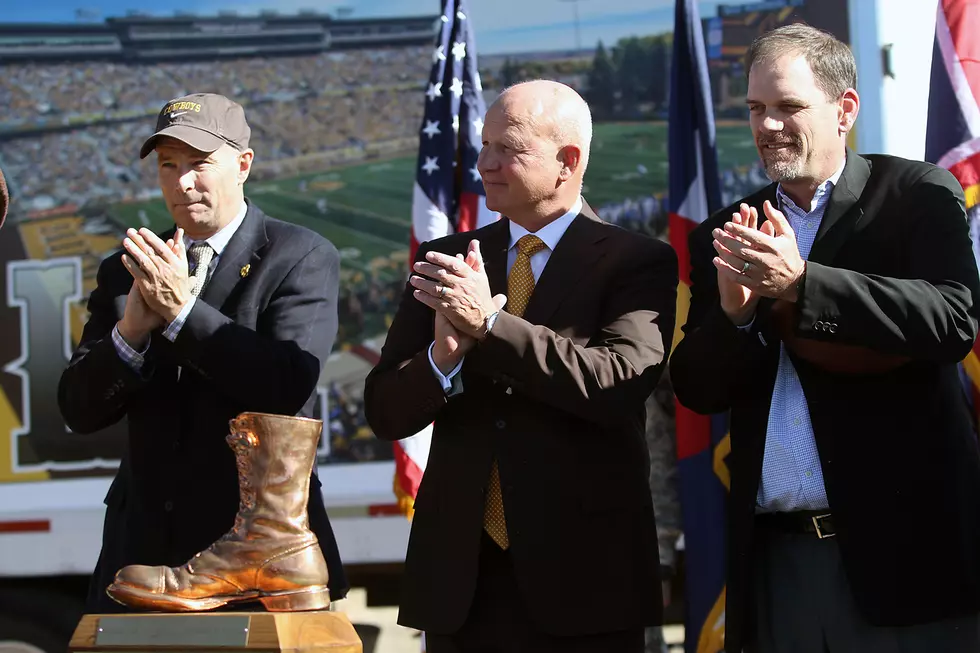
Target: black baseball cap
{"x": 204, "y": 121}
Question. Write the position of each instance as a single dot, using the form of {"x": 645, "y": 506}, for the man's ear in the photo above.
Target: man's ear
{"x": 847, "y": 110}
{"x": 244, "y": 165}
{"x": 4, "y": 198}
{"x": 570, "y": 157}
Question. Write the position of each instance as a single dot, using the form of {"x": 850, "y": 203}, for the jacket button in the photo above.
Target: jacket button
{"x": 509, "y": 390}
{"x": 501, "y": 424}
{"x": 168, "y": 505}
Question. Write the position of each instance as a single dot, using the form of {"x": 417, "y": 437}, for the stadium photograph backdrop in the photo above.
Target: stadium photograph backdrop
{"x": 336, "y": 100}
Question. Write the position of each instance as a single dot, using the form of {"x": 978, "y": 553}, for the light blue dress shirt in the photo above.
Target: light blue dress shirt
{"x": 792, "y": 478}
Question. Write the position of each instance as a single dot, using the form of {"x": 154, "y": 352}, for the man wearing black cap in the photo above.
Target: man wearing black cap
{"x": 231, "y": 311}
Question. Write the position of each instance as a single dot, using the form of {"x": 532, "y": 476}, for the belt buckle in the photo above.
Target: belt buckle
{"x": 816, "y": 519}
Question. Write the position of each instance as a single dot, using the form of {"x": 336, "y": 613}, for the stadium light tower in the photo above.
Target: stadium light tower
{"x": 578, "y": 33}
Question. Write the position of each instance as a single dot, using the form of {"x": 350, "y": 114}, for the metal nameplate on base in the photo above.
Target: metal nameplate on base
{"x": 312, "y": 631}
{"x": 174, "y": 630}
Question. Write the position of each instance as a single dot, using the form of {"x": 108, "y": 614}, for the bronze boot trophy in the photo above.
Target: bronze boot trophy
{"x": 270, "y": 554}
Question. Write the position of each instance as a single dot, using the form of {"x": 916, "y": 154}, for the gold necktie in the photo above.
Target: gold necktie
{"x": 520, "y": 285}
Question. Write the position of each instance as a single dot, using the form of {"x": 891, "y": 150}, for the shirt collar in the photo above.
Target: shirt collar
{"x": 822, "y": 189}
{"x": 220, "y": 240}
{"x": 552, "y": 232}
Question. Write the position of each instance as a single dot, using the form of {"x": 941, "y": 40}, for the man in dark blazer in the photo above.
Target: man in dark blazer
{"x": 179, "y": 352}
{"x": 534, "y": 527}
{"x": 829, "y": 312}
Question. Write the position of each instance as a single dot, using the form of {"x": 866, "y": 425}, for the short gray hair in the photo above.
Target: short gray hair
{"x": 831, "y": 61}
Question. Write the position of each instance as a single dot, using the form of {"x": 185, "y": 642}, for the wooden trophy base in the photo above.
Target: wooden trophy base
{"x": 268, "y": 632}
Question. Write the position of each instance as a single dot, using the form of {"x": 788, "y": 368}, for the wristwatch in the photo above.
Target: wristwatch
{"x": 488, "y": 323}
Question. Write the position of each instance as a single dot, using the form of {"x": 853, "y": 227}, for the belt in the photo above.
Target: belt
{"x": 818, "y": 522}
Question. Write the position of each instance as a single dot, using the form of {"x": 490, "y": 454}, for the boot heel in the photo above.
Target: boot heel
{"x": 312, "y": 599}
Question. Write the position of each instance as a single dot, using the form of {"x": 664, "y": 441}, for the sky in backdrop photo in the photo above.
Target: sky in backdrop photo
{"x": 503, "y": 26}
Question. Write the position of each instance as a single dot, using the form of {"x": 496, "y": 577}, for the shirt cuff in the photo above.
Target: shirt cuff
{"x": 173, "y": 329}
{"x": 445, "y": 380}
{"x": 129, "y": 355}
{"x": 746, "y": 327}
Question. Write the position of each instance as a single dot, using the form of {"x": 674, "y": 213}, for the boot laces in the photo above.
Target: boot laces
{"x": 242, "y": 443}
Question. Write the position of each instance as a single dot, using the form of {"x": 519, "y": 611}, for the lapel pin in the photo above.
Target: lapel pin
{"x": 245, "y": 270}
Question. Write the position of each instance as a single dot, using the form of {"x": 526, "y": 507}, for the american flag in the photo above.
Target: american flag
{"x": 448, "y": 195}
{"x": 953, "y": 126}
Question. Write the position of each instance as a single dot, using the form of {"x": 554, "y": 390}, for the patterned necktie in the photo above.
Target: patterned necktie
{"x": 199, "y": 256}
{"x": 520, "y": 285}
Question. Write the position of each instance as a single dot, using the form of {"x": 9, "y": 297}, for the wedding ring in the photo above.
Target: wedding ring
{"x": 745, "y": 267}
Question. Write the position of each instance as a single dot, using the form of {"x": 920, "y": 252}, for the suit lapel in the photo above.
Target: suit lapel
{"x": 241, "y": 251}
{"x": 767, "y": 193}
{"x": 575, "y": 254}
{"x": 842, "y": 212}
{"x": 494, "y": 246}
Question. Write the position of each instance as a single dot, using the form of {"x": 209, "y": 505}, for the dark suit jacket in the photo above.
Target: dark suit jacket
{"x": 892, "y": 270}
{"x": 558, "y": 398}
{"x": 255, "y": 343}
